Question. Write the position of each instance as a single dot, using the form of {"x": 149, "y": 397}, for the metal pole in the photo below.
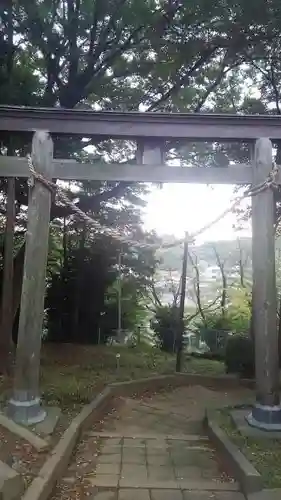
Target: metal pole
{"x": 181, "y": 308}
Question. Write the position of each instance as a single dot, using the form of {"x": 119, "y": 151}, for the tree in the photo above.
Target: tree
{"x": 107, "y": 54}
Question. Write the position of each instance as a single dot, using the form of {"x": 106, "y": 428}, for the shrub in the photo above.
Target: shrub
{"x": 240, "y": 356}
{"x": 215, "y": 339}
{"x": 165, "y": 325}
{"x": 212, "y": 356}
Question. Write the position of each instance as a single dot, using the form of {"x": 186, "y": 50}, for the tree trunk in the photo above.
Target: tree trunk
{"x": 79, "y": 281}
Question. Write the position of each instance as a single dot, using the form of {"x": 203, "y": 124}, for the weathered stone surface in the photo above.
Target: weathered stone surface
{"x": 266, "y": 494}
{"x": 214, "y": 495}
{"x": 48, "y": 425}
{"x": 108, "y": 468}
{"x": 166, "y": 495}
{"x": 163, "y": 473}
{"x": 239, "y": 419}
{"x": 158, "y": 460}
{"x": 109, "y": 459}
{"x": 136, "y": 472}
{"x": 127, "y": 494}
{"x": 191, "y": 471}
{"x": 11, "y": 483}
{"x": 105, "y": 495}
{"x": 104, "y": 480}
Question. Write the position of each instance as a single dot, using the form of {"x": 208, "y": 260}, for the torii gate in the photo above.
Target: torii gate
{"x": 149, "y": 130}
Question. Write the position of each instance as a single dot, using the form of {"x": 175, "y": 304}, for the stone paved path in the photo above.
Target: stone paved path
{"x": 153, "y": 449}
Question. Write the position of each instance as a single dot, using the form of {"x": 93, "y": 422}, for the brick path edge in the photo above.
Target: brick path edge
{"x": 249, "y": 478}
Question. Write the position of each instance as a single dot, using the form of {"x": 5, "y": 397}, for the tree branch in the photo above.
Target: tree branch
{"x": 184, "y": 80}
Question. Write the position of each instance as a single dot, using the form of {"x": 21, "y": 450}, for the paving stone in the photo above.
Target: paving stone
{"x": 159, "y": 460}
{"x": 133, "y": 456}
{"x": 157, "y": 451}
{"x": 211, "y": 472}
{"x": 188, "y": 457}
{"x": 150, "y": 484}
{"x": 205, "y": 485}
{"x": 11, "y": 483}
{"x": 199, "y": 495}
{"x": 104, "y": 480}
{"x": 133, "y": 451}
{"x": 111, "y": 441}
{"x": 188, "y": 472}
{"x": 137, "y": 472}
{"x": 166, "y": 495}
{"x": 213, "y": 495}
{"x": 108, "y": 449}
{"x": 138, "y": 460}
{"x": 232, "y": 495}
{"x": 266, "y": 494}
{"x": 161, "y": 473}
{"x": 109, "y": 459}
{"x": 128, "y": 494}
{"x": 104, "y": 495}
{"x": 108, "y": 469}
{"x": 133, "y": 443}
{"x": 156, "y": 443}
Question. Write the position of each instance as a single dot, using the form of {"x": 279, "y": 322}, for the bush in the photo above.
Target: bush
{"x": 215, "y": 339}
{"x": 240, "y": 356}
{"x": 212, "y": 356}
{"x": 165, "y": 325}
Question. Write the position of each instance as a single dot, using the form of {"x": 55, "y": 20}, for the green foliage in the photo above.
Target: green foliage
{"x": 215, "y": 338}
{"x": 235, "y": 319}
{"x": 239, "y": 310}
{"x": 82, "y": 294}
{"x": 239, "y": 355}
{"x": 165, "y": 324}
{"x": 118, "y": 55}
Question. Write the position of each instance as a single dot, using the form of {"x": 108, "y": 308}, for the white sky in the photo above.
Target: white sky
{"x": 177, "y": 208}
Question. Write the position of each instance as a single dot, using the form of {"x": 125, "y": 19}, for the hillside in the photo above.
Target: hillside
{"x": 228, "y": 250}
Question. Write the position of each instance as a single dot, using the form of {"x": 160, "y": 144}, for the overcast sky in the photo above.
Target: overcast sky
{"x": 177, "y": 208}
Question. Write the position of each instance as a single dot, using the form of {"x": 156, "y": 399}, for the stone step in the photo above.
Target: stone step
{"x": 11, "y": 483}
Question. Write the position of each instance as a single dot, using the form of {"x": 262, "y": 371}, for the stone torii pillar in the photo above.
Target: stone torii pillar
{"x": 266, "y": 413}
{"x": 24, "y": 407}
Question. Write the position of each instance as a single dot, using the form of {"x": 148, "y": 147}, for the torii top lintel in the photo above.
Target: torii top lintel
{"x": 126, "y": 125}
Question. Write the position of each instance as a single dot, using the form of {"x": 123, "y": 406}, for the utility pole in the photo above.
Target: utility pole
{"x": 180, "y": 329}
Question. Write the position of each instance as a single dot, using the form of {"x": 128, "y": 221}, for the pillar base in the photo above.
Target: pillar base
{"x": 26, "y": 412}
{"x": 267, "y": 418}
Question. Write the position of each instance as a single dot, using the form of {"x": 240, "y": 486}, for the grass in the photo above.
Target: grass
{"x": 264, "y": 454}
{"x": 71, "y": 375}
{"x": 204, "y": 366}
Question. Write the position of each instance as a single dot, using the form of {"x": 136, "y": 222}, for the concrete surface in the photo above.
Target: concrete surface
{"x": 48, "y": 425}
{"x": 248, "y": 477}
{"x": 239, "y": 419}
{"x": 154, "y": 448}
{"x": 37, "y": 442}
{"x": 11, "y": 483}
